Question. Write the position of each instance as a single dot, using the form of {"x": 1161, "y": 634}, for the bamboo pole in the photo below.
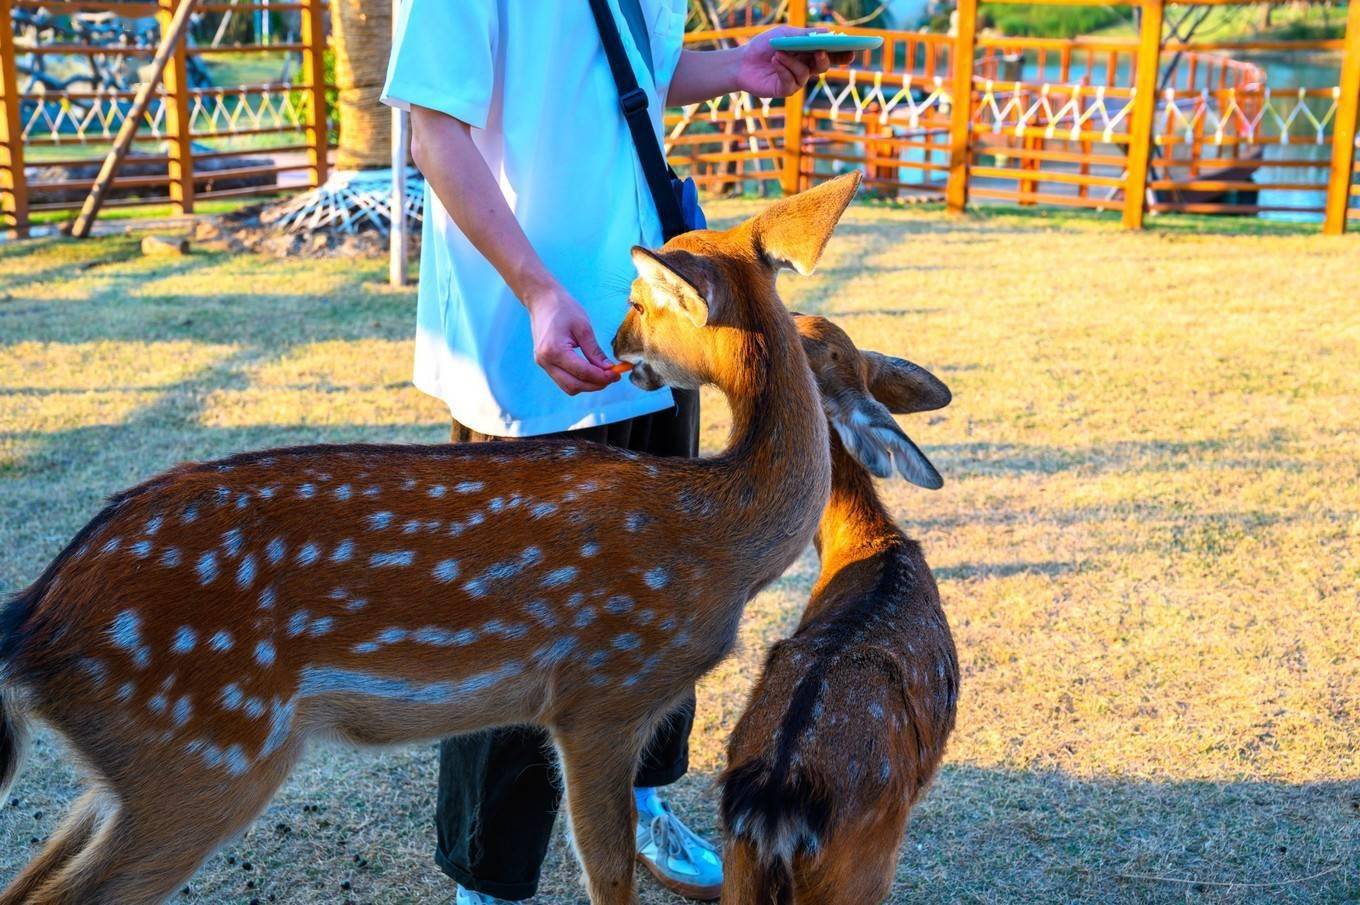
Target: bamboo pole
{"x": 128, "y": 130}
{"x": 1144, "y": 112}
{"x": 793, "y": 116}
{"x": 179, "y": 147}
{"x": 1344, "y": 129}
{"x": 13, "y": 186}
{"x": 961, "y": 114}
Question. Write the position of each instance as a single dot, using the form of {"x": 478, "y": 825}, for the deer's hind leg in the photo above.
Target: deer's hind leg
{"x": 598, "y": 764}
{"x": 159, "y": 834}
{"x": 67, "y": 841}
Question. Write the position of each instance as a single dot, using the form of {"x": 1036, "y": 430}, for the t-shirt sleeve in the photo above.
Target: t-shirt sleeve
{"x": 443, "y": 58}
{"x": 667, "y": 42}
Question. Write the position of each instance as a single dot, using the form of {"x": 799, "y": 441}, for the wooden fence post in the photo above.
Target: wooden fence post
{"x": 178, "y": 145}
{"x": 961, "y": 114}
{"x": 314, "y": 67}
{"x": 13, "y": 187}
{"x": 793, "y": 116}
{"x": 1344, "y": 129}
{"x": 1144, "y": 112}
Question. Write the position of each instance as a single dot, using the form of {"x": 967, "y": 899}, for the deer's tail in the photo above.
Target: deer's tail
{"x": 780, "y": 813}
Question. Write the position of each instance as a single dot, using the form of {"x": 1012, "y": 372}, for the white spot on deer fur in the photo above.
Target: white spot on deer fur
{"x": 627, "y": 641}
{"x": 496, "y": 504}
{"x": 231, "y": 697}
{"x": 321, "y": 626}
{"x": 667, "y": 624}
{"x": 469, "y": 487}
{"x": 438, "y": 490}
{"x": 153, "y": 525}
{"x": 618, "y": 604}
{"x": 183, "y": 709}
{"x": 584, "y": 617}
{"x": 309, "y": 554}
{"x": 372, "y": 490}
{"x": 111, "y": 545}
{"x": 543, "y": 510}
{"x": 558, "y": 577}
{"x": 125, "y": 692}
{"x": 185, "y": 639}
{"x": 221, "y": 641}
{"x": 297, "y": 623}
{"x": 315, "y": 681}
{"x": 264, "y": 653}
{"x": 235, "y": 759}
{"x": 541, "y": 613}
{"x": 408, "y": 484}
{"x": 242, "y": 500}
{"x": 189, "y": 515}
{"x": 268, "y": 597}
{"x": 280, "y": 725}
{"x": 232, "y": 541}
{"x": 126, "y": 630}
{"x": 245, "y": 572}
{"x": 343, "y": 492}
{"x": 356, "y": 604}
{"x": 275, "y": 550}
{"x": 268, "y": 493}
{"x": 411, "y": 526}
{"x": 207, "y": 568}
{"x": 588, "y": 487}
{"x": 367, "y": 647}
{"x": 396, "y": 558}
{"x": 141, "y": 549}
{"x": 393, "y": 635}
{"x": 307, "y": 491}
{"x": 576, "y": 600}
{"x": 95, "y": 669}
{"x": 597, "y": 659}
{"x": 343, "y": 551}
{"x": 644, "y": 617}
{"x": 157, "y": 704}
{"x": 634, "y": 522}
{"x": 657, "y": 578}
{"x": 254, "y": 708}
{"x": 876, "y": 709}
{"x": 379, "y": 520}
{"x": 446, "y": 571}
{"x": 170, "y": 557}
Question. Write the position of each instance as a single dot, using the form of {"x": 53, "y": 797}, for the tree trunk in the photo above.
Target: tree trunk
{"x": 363, "y": 41}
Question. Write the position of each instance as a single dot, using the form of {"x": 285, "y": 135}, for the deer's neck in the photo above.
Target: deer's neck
{"x": 776, "y": 463}
{"x": 855, "y": 531}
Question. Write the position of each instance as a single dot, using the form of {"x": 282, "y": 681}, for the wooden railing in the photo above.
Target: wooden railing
{"x": 1099, "y": 123}
{"x": 274, "y": 128}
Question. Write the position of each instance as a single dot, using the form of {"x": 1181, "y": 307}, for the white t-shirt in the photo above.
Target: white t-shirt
{"x": 533, "y": 82}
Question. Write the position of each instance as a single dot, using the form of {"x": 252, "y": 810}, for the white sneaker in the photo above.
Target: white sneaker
{"x": 680, "y": 859}
{"x": 468, "y": 897}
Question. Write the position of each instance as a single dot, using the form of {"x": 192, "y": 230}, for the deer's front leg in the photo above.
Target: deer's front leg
{"x": 598, "y": 764}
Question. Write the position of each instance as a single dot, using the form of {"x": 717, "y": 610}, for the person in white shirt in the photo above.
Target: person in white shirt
{"x": 534, "y": 196}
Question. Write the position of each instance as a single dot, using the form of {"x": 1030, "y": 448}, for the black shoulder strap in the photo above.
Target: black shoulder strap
{"x": 633, "y": 103}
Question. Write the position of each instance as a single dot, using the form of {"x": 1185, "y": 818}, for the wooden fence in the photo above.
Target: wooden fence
{"x": 195, "y": 143}
{"x": 1133, "y": 124}
{"x": 1129, "y": 124}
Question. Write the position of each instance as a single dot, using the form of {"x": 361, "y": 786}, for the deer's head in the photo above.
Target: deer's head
{"x": 862, "y": 390}
{"x": 700, "y": 298}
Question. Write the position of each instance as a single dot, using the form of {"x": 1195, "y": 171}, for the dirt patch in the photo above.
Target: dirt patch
{"x": 253, "y": 229}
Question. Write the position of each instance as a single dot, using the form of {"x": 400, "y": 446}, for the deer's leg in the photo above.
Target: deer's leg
{"x": 158, "y": 836}
{"x": 744, "y": 881}
{"x": 598, "y": 764}
{"x": 66, "y": 842}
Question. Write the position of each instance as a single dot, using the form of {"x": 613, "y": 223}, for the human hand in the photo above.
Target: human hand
{"x": 562, "y": 336}
{"x": 766, "y": 72}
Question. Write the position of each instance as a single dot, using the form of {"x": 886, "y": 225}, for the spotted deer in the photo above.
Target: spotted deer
{"x": 204, "y": 627}
{"x": 849, "y": 720}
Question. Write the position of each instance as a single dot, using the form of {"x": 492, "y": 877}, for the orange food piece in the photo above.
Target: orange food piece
{"x": 622, "y": 367}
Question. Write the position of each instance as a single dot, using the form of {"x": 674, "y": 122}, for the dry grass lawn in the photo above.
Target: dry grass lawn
{"x": 1148, "y": 545}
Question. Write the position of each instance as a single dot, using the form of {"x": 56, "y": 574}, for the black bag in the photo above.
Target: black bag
{"x": 676, "y": 199}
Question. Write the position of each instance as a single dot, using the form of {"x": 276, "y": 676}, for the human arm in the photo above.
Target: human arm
{"x": 754, "y": 67}
{"x": 443, "y": 148}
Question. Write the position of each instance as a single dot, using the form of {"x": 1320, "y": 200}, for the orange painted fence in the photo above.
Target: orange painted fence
{"x": 1129, "y": 124}
{"x": 1137, "y": 125}
{"x": 194, "y": 143}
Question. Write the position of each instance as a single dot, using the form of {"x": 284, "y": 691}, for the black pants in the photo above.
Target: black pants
{"x": 498, "y": 790}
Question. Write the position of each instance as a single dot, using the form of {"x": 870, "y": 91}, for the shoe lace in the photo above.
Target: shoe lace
{"x": 674, "y": 840}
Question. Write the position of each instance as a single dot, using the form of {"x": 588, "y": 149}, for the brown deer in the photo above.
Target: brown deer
{"x": 202, "y": 629}
{"x": 849, "y": 720}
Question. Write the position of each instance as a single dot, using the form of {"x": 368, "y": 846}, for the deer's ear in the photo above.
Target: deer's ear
{"x": 903, "y": 386}
{"x": 669, "y": 288}
{"x": 794, "y": 231}
{"x": 869, "y": 433}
